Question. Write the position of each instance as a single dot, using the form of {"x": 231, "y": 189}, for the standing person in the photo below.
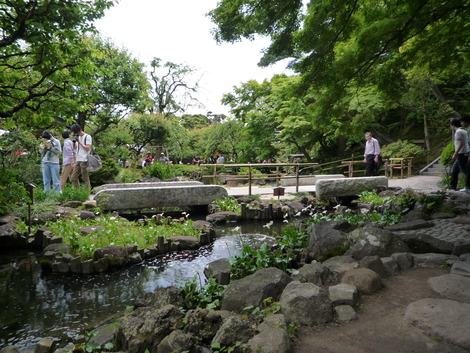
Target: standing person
{"x": 148, "y": 160}
{"x": 465, "y": 121}
{"x": 460, "y": 152}
{"x": 221, "y": 159}
{"x": 50, "y": 150}
{"x": 82, "y": 147}
{"x": 372, "y": 155}
{"x": 163, "y": 159}
{"x": 68, "y": 159}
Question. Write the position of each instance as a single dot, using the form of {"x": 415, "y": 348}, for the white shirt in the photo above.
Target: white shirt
{"x": 81, "y": 153}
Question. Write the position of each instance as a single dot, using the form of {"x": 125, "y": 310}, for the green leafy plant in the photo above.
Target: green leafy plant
{"x": 228, "y": 204}
{"x": 405, "y": 149}
{"x": 161, "y": 171}
{"x": 431, "y": 203}
{"x": 116, "y": 231}
{"x": 373, "y": 199}
{"x": 107, "y": 173}
{"x": 90, "y": 346}
{"x": 128, "y": 175}
{"x": 446, "y": 154}
{"x": 217, "y": 347}
{"x": 208, "y": 296}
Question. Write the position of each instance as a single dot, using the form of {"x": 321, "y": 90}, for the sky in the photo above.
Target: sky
{"x": 178, "y": 31}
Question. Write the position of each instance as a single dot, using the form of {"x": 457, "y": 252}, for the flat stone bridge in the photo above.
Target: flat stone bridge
{"x": 140, "y": 196}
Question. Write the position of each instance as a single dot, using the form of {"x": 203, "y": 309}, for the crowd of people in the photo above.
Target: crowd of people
{"x": 74, "y": 159}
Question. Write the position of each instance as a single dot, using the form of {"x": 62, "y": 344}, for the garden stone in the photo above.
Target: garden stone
{"x": 371, "y": 240}
{"x": 390, "y": 265}
{"x": 270, "y": 340}
{"x": 205, "y": 323}
{"x": 414, "y": 215}
{"x": 327, "y": 189}
{"x": 10, "y": 238}
{"x": 146, "y": 327}
{"x": 345, "y": 313}
{"x": 88, "y": 230}
{"x": 410, "y": 225}
{"x": 72, "y": 204}
{"x": 165, "y": 296}
{"x": 117, "y": 255}
{"x": 375, "y": 264}
{"x": 461, "y": 219}
{"x": 433, "y": 260}
{"x": 46, "y": 345}
{"x": 443, "y": 215}
{"x": 461, "y": 247}
{"x": 10, "y": 349}
{"x": 87, "y": 267}
{"x": 323, "y": 240}
{"x": 314, "y": 272}
{"x": 87, "y": 215}
{"x": 90, "y": 204}
{"x": 366, "y": 281}
{"x": 135, "y": 258}
{"x": 234, "y": 328}
{"x": 452, "y": 286}
{"x": 223, "y": 217}
{"x": 219, "y": 270}
{"x": 420, "y": 243}
{"x": 343, "y": 294}
{"x": 465, "y": 257}
{"x": 441, "y": 318}
{"x": 339, "y": 265}
{"x": 306, "y": 303}
{"x": 57, "y": 248}
{"x": 253, "y": 289}
{"x": 101, "y": 265}
{"x": 404, "y": 260}
{"x": 185, "y": 242}
{"x": 461, "y": 268}
{"x": 177, "y": 341}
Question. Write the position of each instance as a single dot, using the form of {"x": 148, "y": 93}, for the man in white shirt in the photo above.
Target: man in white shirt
{"x": 372, "y": 155}
{"x": 460, "y": 152}
{"x": 82, "y": 147}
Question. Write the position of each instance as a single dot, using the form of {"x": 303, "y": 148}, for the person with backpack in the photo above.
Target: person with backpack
{"x": 83, "y": 143}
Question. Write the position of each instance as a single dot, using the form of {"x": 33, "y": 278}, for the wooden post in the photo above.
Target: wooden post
{"x": 297, "y": 178}
{"x": 249, "y": 180}
{"x": 277, "y": 176}
{"x": 215, "y": 174}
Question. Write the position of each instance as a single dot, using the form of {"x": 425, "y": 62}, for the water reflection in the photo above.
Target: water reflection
{"x": 36, "y": 305}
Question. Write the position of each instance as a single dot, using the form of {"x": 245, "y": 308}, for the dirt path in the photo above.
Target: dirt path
{"x": 380, "y": 327}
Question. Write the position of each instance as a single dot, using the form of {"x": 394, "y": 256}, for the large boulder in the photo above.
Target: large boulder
{"x": 370, "y": 240}
{"x": 234, "y": 328}
{"x": 146, "y": 327}
{"x": 223, "y": 217}
{"x": 178, "y": 341}
{"x": 117, "y": 255}
{"x": 183, "y": 242}
{"x": 272, "y": 336}
{"x": 306, "y": 303}
{"x": 10, "y": 238}
{"x": 338, "y": 266}
{"x": 314, "y": 272}
{"x": 324, "y": 241}
{"x": 204, "y": 323}
{"x": 253, "y": 289}
{"x": 365, "y": 280}
{"x": 327, "y": 189}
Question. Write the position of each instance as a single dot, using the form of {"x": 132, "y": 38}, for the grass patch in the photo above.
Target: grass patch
{"x": 117, "y": 231}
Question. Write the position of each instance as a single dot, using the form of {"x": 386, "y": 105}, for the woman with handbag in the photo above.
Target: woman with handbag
{"x": 82, "y": 148}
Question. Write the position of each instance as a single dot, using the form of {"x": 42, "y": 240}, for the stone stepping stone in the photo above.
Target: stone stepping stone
{"x": 452, "y": 287}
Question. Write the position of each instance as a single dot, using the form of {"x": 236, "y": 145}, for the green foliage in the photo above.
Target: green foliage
{"x": 218, "y": 347}
{"x": 446, "y": 154}
{"x": 407, "y": 199}
{"x": 193, "y": 172}
{"x": 283, "y": 257}
{"x": 68, "y": 194}
{"x": 161, "y": 171}
{"x": 373, "y": 199}
{"x": 90, "y": 346}
{"x": 431, "y": 202}
{"x": 128, "y": 175}
{"x": 258, "y": 314}
{"x": 208, "y": 296}
{"x": 385, "y": 217}
{"x": 107, "y": 173}
{"x": 117, "y": 231}
{"x": 405, "y": 149}
{"x": 228, "y": 204}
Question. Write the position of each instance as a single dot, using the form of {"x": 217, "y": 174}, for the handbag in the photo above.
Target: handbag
{"x": 93, "y": 162}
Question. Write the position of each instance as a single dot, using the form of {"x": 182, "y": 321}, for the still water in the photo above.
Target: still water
{"x": 35, "y": 305}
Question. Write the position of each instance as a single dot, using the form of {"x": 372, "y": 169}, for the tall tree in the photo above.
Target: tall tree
{"x": 171, "y": 87}
{"x": 38, "y": 44}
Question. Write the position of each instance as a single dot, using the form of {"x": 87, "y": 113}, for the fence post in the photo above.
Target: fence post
{"x": 249, "y": 180}
{"x": 297, "y": 178}
{"x": 215, "y": 174}
{"x": 277, "y": 175}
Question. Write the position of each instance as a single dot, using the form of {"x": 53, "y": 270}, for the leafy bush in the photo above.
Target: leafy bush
{"x": 186, "y": 170}
{"x": 228, "y": 204}
{"x": 160, "y": 171}
{"x": 208, "y": 296}
{"x": 405, "y": 149}
{"x": 107, "y": 173}
{"x": 446, "y": 154}
{"x": 68, "y": 194}
{"x": 128, "y": 175}
{"x": 373, "y": 199}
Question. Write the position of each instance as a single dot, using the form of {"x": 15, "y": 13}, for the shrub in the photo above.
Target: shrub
{"x": 228, "y": 204}
{"x": 446, "y": 154}
{"x": 405, "y": 149}
{"x": 160, "y": 171}
{"x": 128, "y": 175}
{"x": 107, "y": 173}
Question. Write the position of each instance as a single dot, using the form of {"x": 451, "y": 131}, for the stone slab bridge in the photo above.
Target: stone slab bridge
{"x": 141, "y": 196}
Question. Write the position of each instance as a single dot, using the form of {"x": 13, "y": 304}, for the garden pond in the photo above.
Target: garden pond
{"x": 38, "y": 305}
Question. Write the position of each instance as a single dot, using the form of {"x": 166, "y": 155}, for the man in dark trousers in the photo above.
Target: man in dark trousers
{"x": 372, "y": 155}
